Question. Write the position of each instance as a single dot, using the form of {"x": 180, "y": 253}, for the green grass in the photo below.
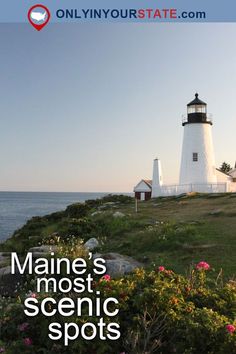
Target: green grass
{"x": 174, "y": 232}
{"x": 194, "y": 234}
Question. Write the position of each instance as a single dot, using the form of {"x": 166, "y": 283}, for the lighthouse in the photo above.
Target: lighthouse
{"x": 198, "y": 172}
{"x": 198, "y": 161}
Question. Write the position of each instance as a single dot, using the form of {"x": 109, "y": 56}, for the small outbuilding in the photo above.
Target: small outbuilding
{"x": 143, "y": 190}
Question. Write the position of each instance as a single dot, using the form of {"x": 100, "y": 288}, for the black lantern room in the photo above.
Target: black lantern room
{"x": 197, "y": 112}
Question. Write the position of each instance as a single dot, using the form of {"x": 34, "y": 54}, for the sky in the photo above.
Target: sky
{"x": 87, "y": 107}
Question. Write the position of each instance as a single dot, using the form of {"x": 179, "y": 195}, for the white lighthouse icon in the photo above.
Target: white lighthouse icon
{"x": 198, "y": 159}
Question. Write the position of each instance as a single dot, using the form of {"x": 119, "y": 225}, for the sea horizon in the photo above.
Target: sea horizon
{"x": 93, "y": 192}
{"x": 17, "y": 207}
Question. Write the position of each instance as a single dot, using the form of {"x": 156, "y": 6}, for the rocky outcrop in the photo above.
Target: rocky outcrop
{"x": 118, "y": 214}
{"x": 43, "y": 250}
{"x": 97, "y": 213}
{"x": 118, "y": 265}
{"x": 4, "y": 259}
{"x": 91, "y": 244}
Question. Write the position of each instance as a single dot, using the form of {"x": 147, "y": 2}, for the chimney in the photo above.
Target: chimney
{"x": 157, "y": 180}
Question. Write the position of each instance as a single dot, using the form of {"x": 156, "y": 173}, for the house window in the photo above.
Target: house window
{"x": 195, "y": 156}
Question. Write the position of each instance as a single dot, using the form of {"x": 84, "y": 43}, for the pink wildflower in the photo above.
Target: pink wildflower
{"x": 31, "y": 294}
{"x": 161, "y": 269}
{"x": 2, "y": 350}
{"x": 106, "y": 277}
{"x": 28, "y": 341}
{"x": 230, "y": 328}
{"x": 203, "y": 265}
{"x": 22, "y": 327}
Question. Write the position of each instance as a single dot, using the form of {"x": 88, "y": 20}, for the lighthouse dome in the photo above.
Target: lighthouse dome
{"x": 196, "y": 101}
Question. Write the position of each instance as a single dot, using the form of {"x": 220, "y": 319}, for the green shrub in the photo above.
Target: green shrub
{"x": 117, "y": 198}
{"x": 77, "y": 210}
{"x": 160, "y": 312}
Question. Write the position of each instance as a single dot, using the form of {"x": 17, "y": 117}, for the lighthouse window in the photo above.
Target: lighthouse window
{"x": 197, "y": 109}
{"x": 195, "y": 156}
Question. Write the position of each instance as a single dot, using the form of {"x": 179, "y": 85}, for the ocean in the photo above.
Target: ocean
{"x": 18, "y": 207}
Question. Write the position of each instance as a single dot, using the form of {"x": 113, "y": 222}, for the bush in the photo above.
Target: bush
{"x": 160, "y": 312}
{"x": 77, "y": 210}
{"x": 117, "y": 198}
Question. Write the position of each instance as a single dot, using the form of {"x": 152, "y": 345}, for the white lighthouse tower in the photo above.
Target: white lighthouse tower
{"x": 198, "y": 161}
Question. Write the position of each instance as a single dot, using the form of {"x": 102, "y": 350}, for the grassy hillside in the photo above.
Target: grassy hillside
{"x": 175, "y": 232}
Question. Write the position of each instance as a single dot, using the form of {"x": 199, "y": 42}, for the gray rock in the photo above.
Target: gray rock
{"x": 96, "y": 213}
{"x": 36, "y": 255}
{"x": 5, "y": 254}
{"x": 4, "y": 259}
{"x": 91, "y": 244}
{"x": 54, "y": 234}
{"x": 194, "y": 223}
{"x": 118, "y": 214}
{"x": 3, "y": 262}
{"x": 118, "y": 264}
{"x": 97, "y": 255}
{"x": 43, "y": 250}
{"x": 9, "y": 282}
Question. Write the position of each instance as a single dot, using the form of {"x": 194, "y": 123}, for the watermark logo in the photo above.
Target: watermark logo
{"x": 38, "y": 16}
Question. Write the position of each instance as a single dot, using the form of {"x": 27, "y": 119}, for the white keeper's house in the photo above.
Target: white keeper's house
{"x": 198, "y": 172}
